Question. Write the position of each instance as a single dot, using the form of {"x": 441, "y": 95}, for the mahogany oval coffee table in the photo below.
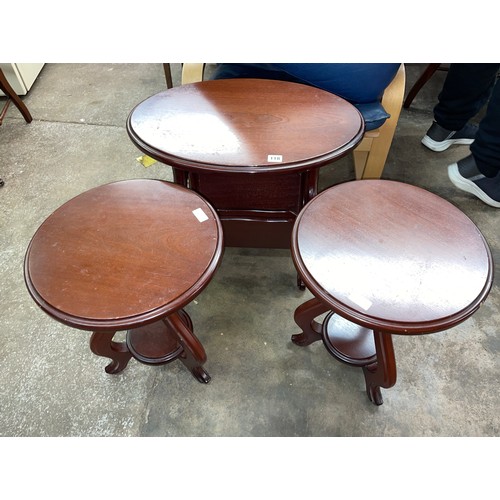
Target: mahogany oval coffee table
{"x": 128, "y": 256}
{"x": 383, "y": 257}
{"x": 251, "y": 147}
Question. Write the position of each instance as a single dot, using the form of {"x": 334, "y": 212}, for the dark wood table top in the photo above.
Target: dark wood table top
{"x": 123, "y": 254}
{"x": 242, "y": 125}
{"x": 392, "y": 257}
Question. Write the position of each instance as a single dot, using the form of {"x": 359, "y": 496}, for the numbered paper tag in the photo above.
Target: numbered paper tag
{"x": 274, "y": 158}
{"x": 200, "y": 215}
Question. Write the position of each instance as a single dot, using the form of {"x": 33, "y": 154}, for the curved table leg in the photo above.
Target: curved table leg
{"x": 381, "y": 373}
{"x": 194, "y": 354}
{"x": 304, "y": 317}
{"x": 186, "y": 319}
{"x": 101, "y": 344}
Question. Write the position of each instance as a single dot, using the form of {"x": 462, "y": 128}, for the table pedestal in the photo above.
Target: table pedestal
{"x": 352, "y": 344}
{"x": 251, "y": 147}
{"x": 128, "y": 256}
{"x": 155, "y": 344}
{"x": 382, "y": 258}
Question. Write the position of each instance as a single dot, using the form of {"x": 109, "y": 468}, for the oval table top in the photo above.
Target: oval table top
{"x": 392, "y": 257}
{"x": 245, "y": 125}
{"x": 123, "y": 254}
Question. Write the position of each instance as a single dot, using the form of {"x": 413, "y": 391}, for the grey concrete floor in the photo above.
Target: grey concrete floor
{"x": 262, "y": 384}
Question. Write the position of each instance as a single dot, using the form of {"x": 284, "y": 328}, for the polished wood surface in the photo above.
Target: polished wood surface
{"x": 390, "y": 258}
{"x": 392, "y": 255}
{"x": 218, "y": 134}
{"x": 122, "y": 256}
{"x": 371, "y": 153}
{"x": 234, "y": 125}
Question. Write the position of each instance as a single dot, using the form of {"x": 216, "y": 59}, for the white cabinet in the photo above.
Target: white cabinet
{"x": 21, "y": 75}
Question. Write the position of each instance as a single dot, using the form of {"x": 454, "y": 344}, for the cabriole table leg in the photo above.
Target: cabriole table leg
{"x": 193, "y": 355}
{"x": 304, "y": 316}
{"x": 381, "y": 373}
{"x": 101, "y": 344}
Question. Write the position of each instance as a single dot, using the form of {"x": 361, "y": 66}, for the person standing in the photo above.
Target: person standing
{"x": 466, "y": 89}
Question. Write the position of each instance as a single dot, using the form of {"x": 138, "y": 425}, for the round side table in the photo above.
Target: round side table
{"x": 381, "y": 258}
{"x": 251, "y": 147}
{"x": 128, "y": 256}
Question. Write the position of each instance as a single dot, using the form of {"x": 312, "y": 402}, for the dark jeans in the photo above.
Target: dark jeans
{"x": 467, "y": 88}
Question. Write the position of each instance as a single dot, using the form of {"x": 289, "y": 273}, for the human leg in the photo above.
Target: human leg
{"x": 479, "y": 173}
{"x": 486, "y": 147}
{"x": 466, "y": 176}
{"x": 466, "y": 89}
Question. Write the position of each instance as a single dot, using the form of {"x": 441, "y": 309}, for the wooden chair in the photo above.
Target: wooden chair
{"x": 168, "y": 75}
{"x": 371, "y": 154}
{"x": 422, "y": 80}
{"x": 11, "y": 97}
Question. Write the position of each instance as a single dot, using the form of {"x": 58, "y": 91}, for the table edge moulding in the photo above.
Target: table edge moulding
{"x": 390, "y": 258}
{"x": 251, "y": 147}
{"x": 125, "y": 265}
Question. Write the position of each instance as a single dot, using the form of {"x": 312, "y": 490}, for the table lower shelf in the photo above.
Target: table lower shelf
{"x": 256, "y": 210}
{"x": 247, "y": 233}
{"x": 350, "y": 343}
{"x": 155, "y": 344}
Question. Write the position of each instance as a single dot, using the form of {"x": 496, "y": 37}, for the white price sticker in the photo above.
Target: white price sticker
{"x": 200, "y": 215}
{"x": 274, "y": 158}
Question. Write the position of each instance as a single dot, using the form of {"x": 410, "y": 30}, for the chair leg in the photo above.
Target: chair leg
{"x": 375, "y": 162}
{"x": 423, "y": 79}
{"x": 168, "y": 75}
{"x": 360, "y": 159}
{"x": 12, "y": 96}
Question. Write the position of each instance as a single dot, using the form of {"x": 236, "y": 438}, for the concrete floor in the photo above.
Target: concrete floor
{"x": 262, "y": 384}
